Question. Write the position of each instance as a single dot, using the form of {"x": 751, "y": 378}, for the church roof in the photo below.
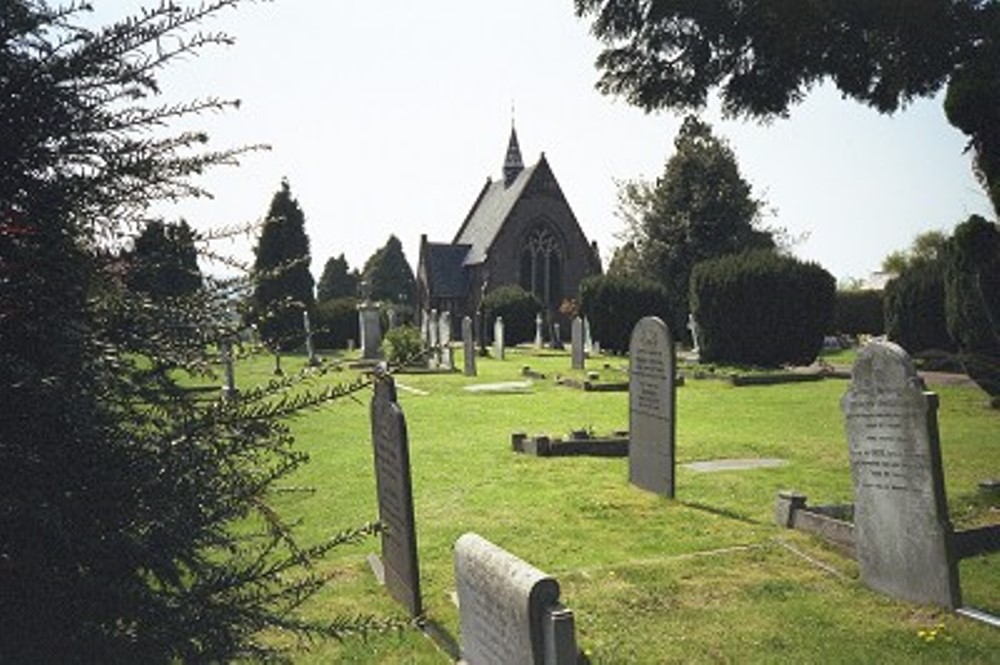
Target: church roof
{"x": 491, "y": 209}
{"x": 443, "y": 263}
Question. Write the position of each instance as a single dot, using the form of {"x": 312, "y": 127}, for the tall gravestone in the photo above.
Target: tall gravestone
{"x": 369, "y": 324}
{"x": 444, "y": 339}
{"x": 539, "y": 324}
{"x": 576, "y": 338}
{"x": 652, "y": 402}
{"x": 904, "y": 536}
{"x": 509, "y": 610}
{"x": 468, "y": 347}
{"x": 434, "y": 360}
{"x": 588, "y": 341}
{"x": 229, "y": 390}
{"x": 310, "y": 350}
{"x": 498, "y": 340}
{"x": 398, "y": 564}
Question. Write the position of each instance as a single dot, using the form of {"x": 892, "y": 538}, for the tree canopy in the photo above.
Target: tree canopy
{"x": 927, "y": 247}
{"x": 164, "y": 261}
{"x": 284, "y": 285}
{"x": 764, "y": 57}
{"x": 389, "y": 274}
{"x": 337, "y": 280}
{"x": 700, "y": 208}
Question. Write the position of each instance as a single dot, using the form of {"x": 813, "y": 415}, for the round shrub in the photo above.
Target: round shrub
{"x": 761, "y": 308}
{"x": 914, "y": 309}
{"x": 859, "y": 313}
{"x": 402, "y": 345}
{"x": 614, "y": 304}
{"x": 518, "y": 309}
{"x": 334, "y": 322}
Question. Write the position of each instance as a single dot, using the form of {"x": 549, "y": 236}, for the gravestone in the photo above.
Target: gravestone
{"x": 434, "y": 359}
{"x": 509, "y": 611}
{"x": 538, "y": 330}
{"x": 425, "y": 328}
{"x": 310, "y": 351}
{"x": 498, "y": 341}
{"x": 904, "y": 536}
{"x": 576, "y": 335}
{"x": 652, "y": 399}
{"x": 399, "y": 568}
{"x": 588, "y": 341}
{"x": 468, "y": 347}
{"x": 692, "y": 326}
{"x": 391, "y": 317}
{"x": 369, "y": 325}
{"x": 556, "y": 342}
{"x": 229, "y": 390}
{"x": 444, "y": 339}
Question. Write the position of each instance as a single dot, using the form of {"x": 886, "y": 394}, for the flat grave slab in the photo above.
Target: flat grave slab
{"x": 710, "y": 466}
{"x": 505, "y": 387}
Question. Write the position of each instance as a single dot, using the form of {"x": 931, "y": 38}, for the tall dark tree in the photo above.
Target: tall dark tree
{"x": 164, "y": 261}
{"x": 337, "y": 280}
{"x": 764, "y": 57}
{"x": 700, "y": 208}
{"x": 119, "y": 493}
{"x": 389, "y": 274}
{"x": 284, "y": 285}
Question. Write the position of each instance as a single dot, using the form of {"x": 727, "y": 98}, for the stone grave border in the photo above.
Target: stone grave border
{"x": 576, "y": 444}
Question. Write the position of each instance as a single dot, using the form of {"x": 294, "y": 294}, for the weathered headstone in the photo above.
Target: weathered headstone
{"x": 391, "y": 317}
{"x": 509, "y": 610}
{"x": 539, "y": 323}
{"x": 229, "y": 390}
{"x": 576, "y": 338}
{"x": 556, "y": 342}
{"x": 588, "y": 341}
{"x": 310, "y": 351}
{"x": 498, "y": 341}
{"x": 444, "y": 339}
{"x": 400, "y": 570}
{"x": 652, "y": 400}
{"x": 468, "y": 347}
{"x": 904, "y": 539}
{"x": 369, "y": 324}
{"x": 692, "y": 326}
{"x": 425, "y": 328}
{"x": 434, "y": 359}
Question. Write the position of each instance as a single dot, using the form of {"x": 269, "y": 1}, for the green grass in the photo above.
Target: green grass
{"x": 704, "y": 578}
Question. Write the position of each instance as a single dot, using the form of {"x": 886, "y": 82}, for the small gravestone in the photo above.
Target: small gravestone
{"x": 498, "y": 341}
{"x": 444, "y": 338}
{"x": 509, "y": 611}
{"x": 538, "y": 330}
{"x": 229, "y": 390}
{"x": 576, "y": 334}
{"x": 652, "y": 400}
{"x": 398, "y": 563}
{"x": 468, "y": 347}
{"x": 900, "y": 512}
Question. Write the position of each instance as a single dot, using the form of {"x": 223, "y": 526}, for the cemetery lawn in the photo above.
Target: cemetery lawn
{"x": 707, "y": 577}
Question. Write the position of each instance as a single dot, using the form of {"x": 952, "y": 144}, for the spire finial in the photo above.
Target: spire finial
{"x": 512, "y": 164}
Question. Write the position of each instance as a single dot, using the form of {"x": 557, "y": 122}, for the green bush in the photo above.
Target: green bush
{"x": 914, "y": 309}
{"x": 859, "y": 313}
{"x": 761, "y": 308}
{"x": 614, "y": 304}
{"x": 518, "y": 309}
{"x": 402, "y": 345}
{"x": 334, "y": 322}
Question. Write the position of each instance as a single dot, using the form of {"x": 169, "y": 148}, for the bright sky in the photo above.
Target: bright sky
{"x": 387, "y": 117}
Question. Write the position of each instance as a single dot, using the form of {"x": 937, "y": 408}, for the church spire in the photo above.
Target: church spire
{"x": 512, "y": 164}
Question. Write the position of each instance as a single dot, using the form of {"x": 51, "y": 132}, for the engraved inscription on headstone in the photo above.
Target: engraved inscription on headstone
{"x": 900, "y": 514}
{"x": 395, "y": 496}
{"x": 509, "y": 610}
{"x": 468, "y": 347}
{"x": 652, "y": 399}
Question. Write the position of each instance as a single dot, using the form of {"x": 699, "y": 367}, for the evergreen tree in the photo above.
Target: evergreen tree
{"x": 284, "y": 286}
{"x": 164, "y": 261}
{"x": 389, "y": 274}
{"x": 337, "y": 280}
{"x": 118, "y": 491}
{"x": 700, "y": 208}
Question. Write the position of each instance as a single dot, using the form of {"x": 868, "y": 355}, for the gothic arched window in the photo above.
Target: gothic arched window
{"x": 541, "y": 266}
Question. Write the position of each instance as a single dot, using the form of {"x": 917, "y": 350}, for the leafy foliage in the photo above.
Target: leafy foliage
{"x": 119, "y": 487}
{"x": 859, "y": 312}
{"x": 337, "y": 280}
{"x": 760, "y": 308}
{"x": 764, "y": 57}
{"x": 517, "y": 307}
{"x": 389, "y": 274}
{"x": 402, "y": 345}
{"x": 614, "y": 304}
{"x": 928, "y": 246}
{"x": 914, "y": 309}
{"x": 335, "y": 322}
{"x": 700, "y": 208}
{"x": 284, "y": 286}
{"x": 164, "y": 261}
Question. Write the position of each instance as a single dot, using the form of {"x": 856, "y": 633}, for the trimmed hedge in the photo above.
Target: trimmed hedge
{"x": 614, "y": 304}
{"x": 518, "y": 309}
{"x": 334, "y": 322}
{"x": 859, "y": 313}
{"x": 761, "y": 308}
{"x": 914, "y": 309}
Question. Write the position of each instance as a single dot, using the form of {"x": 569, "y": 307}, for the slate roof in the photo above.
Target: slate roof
{"x": 488, "y": 214}
{"x": 445, "y": 275}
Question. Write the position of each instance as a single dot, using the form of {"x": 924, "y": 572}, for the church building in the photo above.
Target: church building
{"x": 520, "y": 230}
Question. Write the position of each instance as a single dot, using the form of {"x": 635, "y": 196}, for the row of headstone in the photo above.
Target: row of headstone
{"x": 435, "y": 332}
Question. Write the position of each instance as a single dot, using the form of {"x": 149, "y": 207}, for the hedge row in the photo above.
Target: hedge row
{"x": 614, "y": 304}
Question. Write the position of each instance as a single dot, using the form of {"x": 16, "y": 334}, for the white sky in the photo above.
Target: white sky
{"x": 388, "y": 115}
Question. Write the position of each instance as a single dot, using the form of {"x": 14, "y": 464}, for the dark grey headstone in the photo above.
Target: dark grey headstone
{"x": 395, "y": 496}
{"x": 509, "y": 610}
{"x": 652, "y": 399}
{"x": 468, "y": 347}
{"x": 900, "y": 515}
{"x": 576, "y": 338}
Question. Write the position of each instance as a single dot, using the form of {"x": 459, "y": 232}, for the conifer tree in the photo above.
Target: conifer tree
{"x": 164, "y": 261}
{"x": 337, "y": 280}
{"x": 389, "y": 274}
{"x": 284, "y": 285}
